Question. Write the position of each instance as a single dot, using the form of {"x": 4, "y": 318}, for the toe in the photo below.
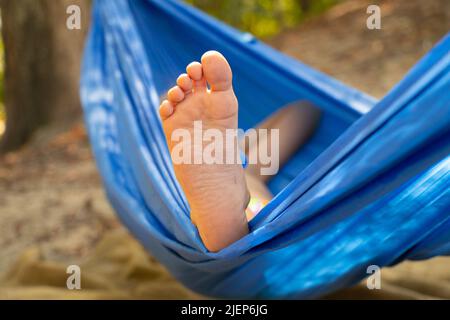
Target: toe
{"x": 195, "y": 72}
{"x": 175, "y": 95}
{"x": 185, "y": 82}
{"x": 217, "y": 71}
{"x": 165, "y": 110}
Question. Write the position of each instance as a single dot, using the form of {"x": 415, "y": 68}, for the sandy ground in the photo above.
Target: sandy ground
{"x": 339, "y": 43}
{"x": 51, "y": 196}
{"x": 50, "y": 192}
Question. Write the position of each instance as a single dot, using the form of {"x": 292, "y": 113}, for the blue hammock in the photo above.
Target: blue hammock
{"x": 372, "y": 187}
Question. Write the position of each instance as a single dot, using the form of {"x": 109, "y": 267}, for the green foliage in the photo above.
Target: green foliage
{"x": 263, "y": 18}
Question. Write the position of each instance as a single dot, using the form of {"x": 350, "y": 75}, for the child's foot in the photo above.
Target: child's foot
{"x": 217, "y": 193}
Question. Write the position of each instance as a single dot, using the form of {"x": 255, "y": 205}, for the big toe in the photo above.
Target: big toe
{"x": 217, "y": 71}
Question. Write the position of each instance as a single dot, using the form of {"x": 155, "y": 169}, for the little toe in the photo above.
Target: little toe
{"x": 166, "y": 110}
{"x": 185, "y": 82}
{"x": 175, "y": 94}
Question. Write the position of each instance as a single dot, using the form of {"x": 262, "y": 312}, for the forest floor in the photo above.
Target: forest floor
{"x": 51, "y": 195}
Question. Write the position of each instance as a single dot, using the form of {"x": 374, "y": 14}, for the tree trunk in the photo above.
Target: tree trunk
{"x": 42, "y": 62}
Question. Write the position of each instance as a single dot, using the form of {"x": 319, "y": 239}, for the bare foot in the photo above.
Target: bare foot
{"x": 217, "y": 193}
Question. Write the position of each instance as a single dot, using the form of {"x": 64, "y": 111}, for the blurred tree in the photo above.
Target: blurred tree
{"x": 42, "y": 61}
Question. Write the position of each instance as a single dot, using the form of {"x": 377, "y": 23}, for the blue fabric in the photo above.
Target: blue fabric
{"x": 371, "y": 187}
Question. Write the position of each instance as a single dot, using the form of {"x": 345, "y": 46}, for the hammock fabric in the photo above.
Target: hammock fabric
{"x": 372, "y": 187}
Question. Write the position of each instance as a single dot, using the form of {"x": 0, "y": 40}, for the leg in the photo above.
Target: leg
{"x": 217, "y": 193}
{"x": 296, "y": 123}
